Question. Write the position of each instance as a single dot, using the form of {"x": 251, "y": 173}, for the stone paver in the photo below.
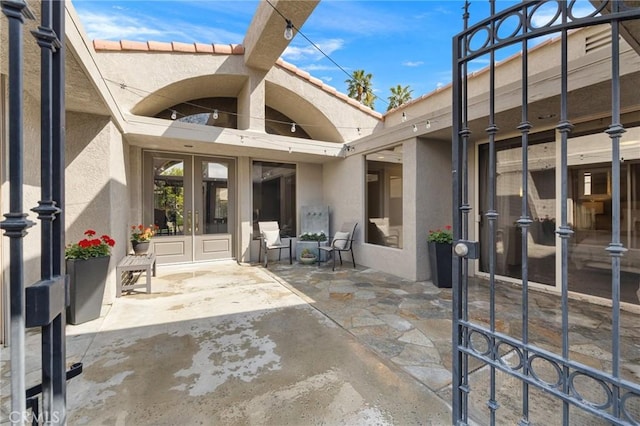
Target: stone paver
{"x": 410, "y": 324}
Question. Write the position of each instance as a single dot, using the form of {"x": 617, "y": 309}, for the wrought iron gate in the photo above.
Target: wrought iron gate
{"x": 620, "y": 402}
{"x": 43, "y": 303}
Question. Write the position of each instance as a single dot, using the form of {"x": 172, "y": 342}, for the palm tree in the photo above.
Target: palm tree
{"x": 359, "y": 88}
{"x": 399, "y": 95}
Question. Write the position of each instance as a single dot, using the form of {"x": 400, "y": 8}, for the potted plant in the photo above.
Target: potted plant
{"x": 307, "y": 257}
{"x": 313, "y": 236}
{"x": 87, "y": 264}
{"x": 141, "y": 237}
{"x": 440, "y": 256}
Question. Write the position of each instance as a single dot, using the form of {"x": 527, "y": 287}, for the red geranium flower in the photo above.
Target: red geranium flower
{"x": 90, "y": 247}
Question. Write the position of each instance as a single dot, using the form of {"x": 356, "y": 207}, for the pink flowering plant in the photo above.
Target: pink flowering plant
{"x": 89, "y": 247}
{"x": 440, "y": 235}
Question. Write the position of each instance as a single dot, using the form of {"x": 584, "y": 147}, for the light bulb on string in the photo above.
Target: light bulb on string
{"x": 288, "y": 31}
{"x": 415, "y": 128}
{"x": 428, "y": 125}
{"x": 293, "y": 127}
{"x": 215, "y": 114}
{"x": 290, "y": 150}
{"x": 404, "y": 116}
{"x": 174, "y": 114}
{"x": 359, "y": 133}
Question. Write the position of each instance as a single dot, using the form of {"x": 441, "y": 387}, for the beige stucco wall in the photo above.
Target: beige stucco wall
{"x": 96, "y": 185}
{"x": 426, "y": 203}
{"x": 344, "y": 191}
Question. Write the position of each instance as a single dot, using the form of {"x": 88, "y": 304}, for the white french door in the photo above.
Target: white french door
{"x": 191, "y": 199}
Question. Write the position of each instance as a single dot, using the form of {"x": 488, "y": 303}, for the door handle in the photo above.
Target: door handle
{"x": 189, "y": 221}
{"x": 197, "y": 220}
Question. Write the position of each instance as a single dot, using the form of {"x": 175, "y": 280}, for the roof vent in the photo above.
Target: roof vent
{"x": 598, "y": 40}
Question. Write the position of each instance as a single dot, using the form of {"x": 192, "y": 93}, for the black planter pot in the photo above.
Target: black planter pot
{"x": 88, "y": 279}
{"x": 440, "y": 261}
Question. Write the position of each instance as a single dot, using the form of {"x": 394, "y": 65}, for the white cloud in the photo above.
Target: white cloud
{"x": 116, "y": 27}
{"x": 310, "y": 53}
{"x": 326, "y": 78}
{"x": 480, "y": 61}
{"x": 120, "y": 26}
{"x": 544, "y": 15}
{"x": 412, "y": 63}
{"x": 318, "y": 67}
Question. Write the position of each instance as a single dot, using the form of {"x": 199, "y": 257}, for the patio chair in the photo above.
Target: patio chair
{"x": 342, "y": 241}
{"x": 161, "y": 221}
{"x": 270, "y": 240}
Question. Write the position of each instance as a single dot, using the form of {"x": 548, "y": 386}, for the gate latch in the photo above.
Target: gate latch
{"x": 468, "y": 249}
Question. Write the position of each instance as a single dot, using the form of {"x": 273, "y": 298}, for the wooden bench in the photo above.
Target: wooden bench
{"x": 129, "y": 270}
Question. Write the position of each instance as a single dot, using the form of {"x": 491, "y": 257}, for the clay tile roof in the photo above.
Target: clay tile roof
{"x": 224, "y": 49}
{"x": 237, "y": 49}
{"x": 134, "y": 45}
{"x": 183, "y": 47}
{"x": 204, "y": 48}
{"x": 106, "y": 45}
{"x": 158, "y": 46}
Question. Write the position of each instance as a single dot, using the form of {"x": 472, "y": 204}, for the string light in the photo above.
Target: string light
{"x": 290, "y": 150}
{"x": 215, "y": 113}
{"x": 142, "y": 93}
{"x": 289, "y": 23}
{"x": 288, "y": 31}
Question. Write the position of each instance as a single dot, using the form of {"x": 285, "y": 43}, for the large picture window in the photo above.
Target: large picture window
{"x": 589, "y": 212}
{"x": 384, "y": 197}
{"x": 274, "y": 195}
{"x": 508, "y": 203}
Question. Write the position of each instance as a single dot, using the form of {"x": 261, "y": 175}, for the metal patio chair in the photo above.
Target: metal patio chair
{"x": 270, "y": 240}
{"x": 342, "y": 241}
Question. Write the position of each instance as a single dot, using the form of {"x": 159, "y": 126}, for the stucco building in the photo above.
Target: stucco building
{"x": 205, "y": 140}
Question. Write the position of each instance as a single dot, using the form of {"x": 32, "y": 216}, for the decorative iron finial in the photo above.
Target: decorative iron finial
{"x": 465, "y": 15}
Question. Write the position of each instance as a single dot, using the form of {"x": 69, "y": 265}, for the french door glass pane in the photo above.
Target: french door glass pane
{"x": 168, "y": 196}
{"x": 215, "y": 197}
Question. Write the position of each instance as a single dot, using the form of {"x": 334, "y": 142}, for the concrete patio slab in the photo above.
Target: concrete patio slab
{"x": 229, "y": 344}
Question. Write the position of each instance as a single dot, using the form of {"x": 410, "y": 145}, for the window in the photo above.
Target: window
{"x": 589, "y": 212}
{"x": 508, "y": 203}
{"x": 274, "y": 195}
{"x": 384, "y": 197}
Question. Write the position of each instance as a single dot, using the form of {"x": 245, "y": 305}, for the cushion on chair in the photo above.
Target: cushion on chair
{"x": 340, "y": 240}
{"x": 272, "y": 238}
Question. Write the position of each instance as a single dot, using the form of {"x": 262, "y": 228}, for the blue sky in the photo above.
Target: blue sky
{"x": 398, "y": 42}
